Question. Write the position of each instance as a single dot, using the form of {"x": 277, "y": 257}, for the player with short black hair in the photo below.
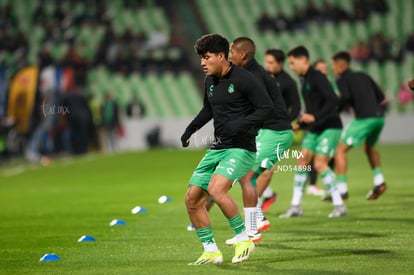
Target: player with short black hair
{"x": 273, "y": 61}
{"x": 238, "y": 103}
{"x": 360, "y": 92}
{"x": 323, "y": 126}
{"x": 275, "y": 135}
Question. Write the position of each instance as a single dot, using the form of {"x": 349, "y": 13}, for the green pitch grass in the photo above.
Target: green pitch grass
{"x": 47, "y": 209}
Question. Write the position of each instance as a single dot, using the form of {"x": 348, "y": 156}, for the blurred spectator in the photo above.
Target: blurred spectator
{"x": 104, "y": 14}
{"x": 7, "y": 17}
{"x": 40, "y": 124}
{"x": 158, "y": 38}
{"x": 59, "y": 14}
{"x": 265, "y": 23}
{"x": 135, "y": 108}
{"x": 53, "y": 34}
{"x": 72, "y": 57}
{"x": 299, "y": 20}
{"x": 395, "y": 50}
{"x": 360, "y": 10}
{"x": 7, "y": 40}
{"x": 79, "y": 119}
{"x": 6, "y": 124}
{"x": 379, "y": 6}
{"x": 138, "y": 41}
{"x": 380, "y": 47}
{"x": 110, "y": 123}
{"x": 112, "y": 52}
{"x": 409, "y": 44}
{"x": 328, "y": 13}
{"x": 281, "y": 22}
{"x": 333, "y": 13}
{"x": 360, "y": 52}
{"x": 311, "y": 11}
{"x": 39, "y": 15}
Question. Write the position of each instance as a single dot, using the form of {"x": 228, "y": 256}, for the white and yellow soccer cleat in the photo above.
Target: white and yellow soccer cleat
{"x": 209, "y": 258}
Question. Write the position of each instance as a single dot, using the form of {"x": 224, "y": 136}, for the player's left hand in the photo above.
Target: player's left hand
{"x": 307, "y": 118}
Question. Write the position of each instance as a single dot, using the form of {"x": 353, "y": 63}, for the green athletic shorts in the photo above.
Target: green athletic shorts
{"x": 363, "y": 129}
{"x": 324, "y": 143}
{"x": 232, "y": 163}
{"x": 270, "y": 146}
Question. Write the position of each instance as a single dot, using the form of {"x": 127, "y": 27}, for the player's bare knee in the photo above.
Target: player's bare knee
{"x": 190, "y": 202}
{"x": 194, "y": 199}
{"x": 320, "y": 165}
{"x": 215, "y": 193}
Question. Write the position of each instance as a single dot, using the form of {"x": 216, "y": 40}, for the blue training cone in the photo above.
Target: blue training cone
{"x": 86, "y": 238}
{"x": 164, "y": 199}
{"x": 117, "y": 222}
{"x": 49, "y": 257}
{"x": 138, "y": 210}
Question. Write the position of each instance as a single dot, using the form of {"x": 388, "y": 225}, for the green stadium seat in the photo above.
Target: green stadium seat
{"x": 159, "y": 96}
{"x": 140, "y": 90}
{"x": 193, "y": 98}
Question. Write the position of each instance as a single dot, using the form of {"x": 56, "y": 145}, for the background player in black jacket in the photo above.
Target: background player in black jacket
{"x": 274, "y": 137}
{"x": 238, "y": 103}
{"x": 313, "y": 189}
{"x": 273, "y": 62}
{"x": 323, "y": 126}
{"x": 362, "y": 94}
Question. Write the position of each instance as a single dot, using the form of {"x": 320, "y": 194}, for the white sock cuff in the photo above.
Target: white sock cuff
{"x": 268, "y": 192}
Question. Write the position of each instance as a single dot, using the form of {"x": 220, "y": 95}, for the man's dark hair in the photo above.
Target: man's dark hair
{"x": 299, "y": 51}
{"x": 246, "y": 44}
{"x": 213, "y": 43}
{"x": 342, "y": 55}
{"x": 279, "y": 55}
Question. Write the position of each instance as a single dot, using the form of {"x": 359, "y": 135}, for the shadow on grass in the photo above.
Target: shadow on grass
{"x": 318, "y": 253}
{"x": 325, "y": 236}
{"x": 261, "y": 268}
{"x": 399, "y": 221}
{"x": 306, "y": 237}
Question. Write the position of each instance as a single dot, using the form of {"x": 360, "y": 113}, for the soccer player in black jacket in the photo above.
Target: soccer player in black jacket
{"x": 323, "y": 126}
{"x": 238, "y": 103}
{"x": 274, "y": 137}
{"x": 273, "y": 62}
{"x": 360, "y": 92}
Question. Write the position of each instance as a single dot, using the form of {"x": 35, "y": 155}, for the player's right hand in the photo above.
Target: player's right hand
{"x": 185, "y": 139}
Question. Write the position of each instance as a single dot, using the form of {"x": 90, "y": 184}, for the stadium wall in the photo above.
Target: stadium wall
{"x": 140, "y": 133}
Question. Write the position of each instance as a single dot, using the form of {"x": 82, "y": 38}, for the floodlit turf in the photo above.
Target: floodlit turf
{"x": 47, "y": 209}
